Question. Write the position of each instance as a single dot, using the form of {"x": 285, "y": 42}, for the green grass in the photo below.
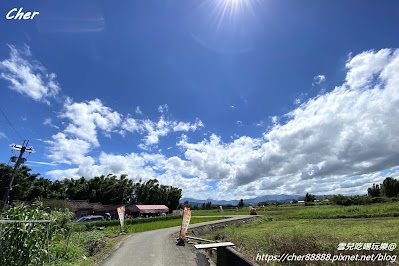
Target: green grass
{"x": 314, "y": 229}
{"x": 136, "y": 228}
{"x": 314, "y": 212}
{"x": 333, "y": 211}
{"x": 242, "y": 211}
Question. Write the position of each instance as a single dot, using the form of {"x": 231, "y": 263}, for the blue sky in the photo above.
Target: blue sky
{"x": 226, "y": 99}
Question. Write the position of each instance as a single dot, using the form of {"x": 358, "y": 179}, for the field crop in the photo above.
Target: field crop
{"x": 315, "y": 229}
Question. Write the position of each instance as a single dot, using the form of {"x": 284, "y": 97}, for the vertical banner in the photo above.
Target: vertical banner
{"x": 121, "y": 214}
{"x": 221, "y": 209}
{"x": 186, "y": 221}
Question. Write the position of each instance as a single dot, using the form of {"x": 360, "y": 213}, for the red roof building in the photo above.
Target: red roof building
{"x": 84, "y": 208}
{"x": 140, "y": 209}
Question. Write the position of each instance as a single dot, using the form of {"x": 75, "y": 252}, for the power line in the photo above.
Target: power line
{"x": 10, "y": 124}
{"x": 6, "y": 139}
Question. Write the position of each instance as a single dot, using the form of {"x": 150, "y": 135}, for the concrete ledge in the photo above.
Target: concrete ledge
{"x": 207, "y": 229}
{"x": 226, "y": 256}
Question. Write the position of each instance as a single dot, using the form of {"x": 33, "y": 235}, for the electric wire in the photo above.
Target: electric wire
{"x": 5, "y": 138}
{"x": 10, "y": 124}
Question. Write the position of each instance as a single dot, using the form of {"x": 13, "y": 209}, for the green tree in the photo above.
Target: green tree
{"x": 151, "y": 192}
{"x": 374, "y": 191}
{"x": 309, "y": 197}
{"x": 390, "y": 187}
{"x": 41, "y": 189}
{"x": 21, "y": 183}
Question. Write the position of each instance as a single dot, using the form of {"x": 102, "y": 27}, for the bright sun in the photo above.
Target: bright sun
{"x": 229, "y": 10}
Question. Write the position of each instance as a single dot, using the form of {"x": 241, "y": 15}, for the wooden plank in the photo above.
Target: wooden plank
{"x": 197, "y": 238}
{"x": 214, "y": 245}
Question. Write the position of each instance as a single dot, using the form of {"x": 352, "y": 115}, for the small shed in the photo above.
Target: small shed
{"x": 80, "y": 207}
{"x": 100, "y": 209}
{"x": 146, "y": 210}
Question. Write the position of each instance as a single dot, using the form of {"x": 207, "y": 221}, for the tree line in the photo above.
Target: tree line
{"x": 108, "y": 189}
{"x": 388, "y": 190}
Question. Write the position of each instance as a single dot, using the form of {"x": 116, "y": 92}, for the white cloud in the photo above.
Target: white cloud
{"x": 48, "y": 122}
{"x": 163, "y": 108}
{"x": 68, "y": 150}
{"x": 182, "y": 126}
{"x": 347, "y": 132}
{"x": 365, "y": 67}
{"x": 239, "y": 123}
{"x": 72, "y": 145}
{"x": 3, "y": 135}
{"x": 318, "y": 79}
{"x": 154, "y": 130}
{"x": 28, "y": 76}
{"x": 138, "y": 111}
{"x": 42, "y": 163}
{"x": 274, "y": 120}
{"x": 88, "y": 117}
{"x": 132, "y": 125}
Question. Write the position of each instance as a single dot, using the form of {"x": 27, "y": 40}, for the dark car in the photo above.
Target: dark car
{"x": 90, "y": 218}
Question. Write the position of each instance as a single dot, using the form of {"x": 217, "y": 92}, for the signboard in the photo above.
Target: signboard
{"x": 121, "y": 214}
{"x": 186, "y": 221}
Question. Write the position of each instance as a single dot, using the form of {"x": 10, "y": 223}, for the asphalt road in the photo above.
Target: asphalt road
{"x": 158, "y": 247}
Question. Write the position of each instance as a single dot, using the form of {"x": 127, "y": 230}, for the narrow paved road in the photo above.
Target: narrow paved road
{"x": 157, "y": 248}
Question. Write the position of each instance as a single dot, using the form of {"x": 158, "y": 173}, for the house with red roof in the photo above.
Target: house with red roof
{"x": 146, "y": 210}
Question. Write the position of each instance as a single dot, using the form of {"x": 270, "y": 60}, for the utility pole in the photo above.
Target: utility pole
{"x": 22, "y": 149}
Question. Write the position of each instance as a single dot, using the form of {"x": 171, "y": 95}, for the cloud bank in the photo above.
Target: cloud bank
{"x": 350, "y": 131}
{"x": 341, "y": 141}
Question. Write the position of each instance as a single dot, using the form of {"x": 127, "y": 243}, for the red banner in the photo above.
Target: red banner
{"x": 121, "y": 214}
{"x": 186, "y": 221}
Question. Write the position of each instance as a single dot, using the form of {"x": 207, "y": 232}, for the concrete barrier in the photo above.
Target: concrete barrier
{"x": 207, "y": 229}
{"x": 226, "y": 256}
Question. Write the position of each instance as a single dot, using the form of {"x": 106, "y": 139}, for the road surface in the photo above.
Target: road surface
{"x": 158, "y": 248}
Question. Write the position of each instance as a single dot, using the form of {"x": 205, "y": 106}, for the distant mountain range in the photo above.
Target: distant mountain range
{"x": 282, "y": 198}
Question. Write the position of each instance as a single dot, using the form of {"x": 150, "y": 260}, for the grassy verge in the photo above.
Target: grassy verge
{"x": 315, "y": 212}
{"x": 315, "y": 229}
{"x": 90, "y": 247}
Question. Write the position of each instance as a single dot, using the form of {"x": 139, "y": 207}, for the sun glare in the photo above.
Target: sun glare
{"x": 226, "y": 26}
{"x": 228, "y": 11}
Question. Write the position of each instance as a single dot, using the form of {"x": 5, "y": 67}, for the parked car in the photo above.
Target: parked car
{"x": 90, "y": 218}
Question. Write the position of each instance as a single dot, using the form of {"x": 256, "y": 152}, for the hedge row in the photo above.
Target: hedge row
{"x": 131, "y": 221}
